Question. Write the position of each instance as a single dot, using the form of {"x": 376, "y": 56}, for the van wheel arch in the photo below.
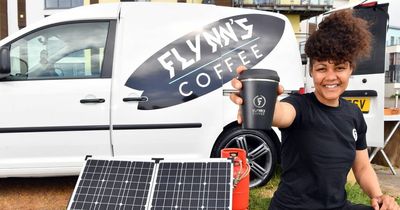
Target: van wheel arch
{"x": 263, "y": 147}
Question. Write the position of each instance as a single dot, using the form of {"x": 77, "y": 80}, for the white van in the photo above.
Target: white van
{"x": 136, "y": 80}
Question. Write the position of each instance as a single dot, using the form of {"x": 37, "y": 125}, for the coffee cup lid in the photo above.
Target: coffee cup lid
{"x": 259, "y": 74}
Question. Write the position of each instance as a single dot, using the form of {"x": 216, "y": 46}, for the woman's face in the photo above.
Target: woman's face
{"x": 330, "y": 80}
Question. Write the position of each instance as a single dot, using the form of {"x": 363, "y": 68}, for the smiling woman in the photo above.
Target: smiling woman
{"x": 323, "y": 135}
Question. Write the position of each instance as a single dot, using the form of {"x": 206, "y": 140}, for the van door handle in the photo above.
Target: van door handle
{"x": 140, "y": 99}
{"x": 92, "y": 100}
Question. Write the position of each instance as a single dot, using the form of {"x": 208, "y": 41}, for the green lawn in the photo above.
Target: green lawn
{"x": 261, "y": 197}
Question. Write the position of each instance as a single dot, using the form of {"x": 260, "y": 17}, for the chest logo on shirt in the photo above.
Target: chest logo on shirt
{"x": 355, "y": 134}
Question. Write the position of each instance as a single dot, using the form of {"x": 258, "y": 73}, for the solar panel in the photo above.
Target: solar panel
{"x": 107, "y": 184}
{"x": 116, "y": 184}
{"x": 192, "y": 185}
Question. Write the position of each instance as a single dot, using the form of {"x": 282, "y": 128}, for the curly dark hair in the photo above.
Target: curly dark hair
{"x": 340, "y": 37}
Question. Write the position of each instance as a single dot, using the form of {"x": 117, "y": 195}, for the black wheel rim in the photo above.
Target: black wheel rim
{"x": 259, "y": 156}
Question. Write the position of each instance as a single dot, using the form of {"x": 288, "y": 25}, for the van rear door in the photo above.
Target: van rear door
{"x": 366, "y": 86}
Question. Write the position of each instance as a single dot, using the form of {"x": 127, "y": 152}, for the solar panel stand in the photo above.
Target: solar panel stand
{"x": 152, "y": 185}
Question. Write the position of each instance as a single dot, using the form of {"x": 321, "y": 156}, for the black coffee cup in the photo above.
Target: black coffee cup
{"x": 259, "y": 94}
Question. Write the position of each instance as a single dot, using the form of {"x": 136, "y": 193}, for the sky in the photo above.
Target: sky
{"x": 394, "y": 6}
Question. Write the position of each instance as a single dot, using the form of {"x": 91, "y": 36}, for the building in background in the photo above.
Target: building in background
{"x": 20, "y": 13}
{"x": 392, "y": 66}
{"x": 295, "y": 10}
{"x": 3, "y": 19}
{"x": 16, "y": 14}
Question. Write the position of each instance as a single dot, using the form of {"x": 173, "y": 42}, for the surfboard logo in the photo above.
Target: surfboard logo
{"x": 202, "y": 61}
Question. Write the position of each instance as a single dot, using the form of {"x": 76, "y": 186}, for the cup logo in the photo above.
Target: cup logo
{"x": 204, "y": 60}
{"x": 259, "y": 101}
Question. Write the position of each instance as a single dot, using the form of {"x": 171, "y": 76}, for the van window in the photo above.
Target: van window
{"x": 64, "y": 51}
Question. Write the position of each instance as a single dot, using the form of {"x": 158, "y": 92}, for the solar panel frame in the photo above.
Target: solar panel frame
{"x": 205, "y": 184}
{"x": 89, "y": 197}
{"x": 105, "y": 185}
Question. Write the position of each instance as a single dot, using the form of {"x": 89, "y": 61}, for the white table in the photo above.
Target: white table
{"x": 387, "y": 118}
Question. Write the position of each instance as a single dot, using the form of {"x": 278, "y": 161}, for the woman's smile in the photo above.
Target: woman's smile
{"x": 330, "y": 80}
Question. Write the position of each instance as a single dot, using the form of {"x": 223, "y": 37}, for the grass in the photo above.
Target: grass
{"x": 356, "y": 195}
{"x": 260, "y": 198}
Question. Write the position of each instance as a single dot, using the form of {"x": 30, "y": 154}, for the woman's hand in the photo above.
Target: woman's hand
{"x": 384, "y": 202}
{"x": 235, "y": 98}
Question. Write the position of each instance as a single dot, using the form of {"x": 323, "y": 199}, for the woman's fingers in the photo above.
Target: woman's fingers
{"x": 384, "y": 202}
{"x": 239, "y": 116}
{"x": 375, "y": 203}
{"x": 240, "y": 69}
{"x": 236, "y": 99}
{"x": 280, "y": 89}
{"x": 236, "y": 84}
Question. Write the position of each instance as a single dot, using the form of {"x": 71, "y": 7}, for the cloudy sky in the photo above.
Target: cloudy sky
{"x": 394, "y": 6}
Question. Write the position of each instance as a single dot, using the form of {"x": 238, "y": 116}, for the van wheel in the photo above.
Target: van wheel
{"x": 261, "y": 152}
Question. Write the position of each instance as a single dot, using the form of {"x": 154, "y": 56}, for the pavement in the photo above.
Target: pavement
{"x": 390, "y": 184}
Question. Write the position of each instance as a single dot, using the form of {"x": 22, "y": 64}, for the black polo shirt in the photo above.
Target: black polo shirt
{"x": 318, "y": 150}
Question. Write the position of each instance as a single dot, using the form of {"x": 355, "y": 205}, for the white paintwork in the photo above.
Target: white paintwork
{"x": 374, "y": 118}
{"x": 152, "y": 26}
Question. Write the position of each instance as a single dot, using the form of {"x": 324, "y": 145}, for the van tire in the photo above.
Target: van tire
{"x": 261, "y": 151}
